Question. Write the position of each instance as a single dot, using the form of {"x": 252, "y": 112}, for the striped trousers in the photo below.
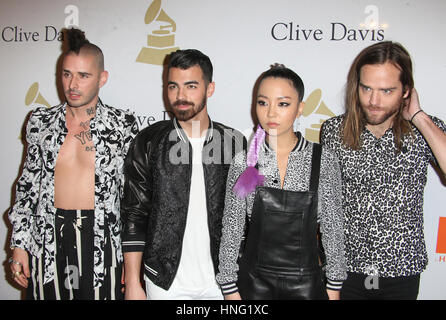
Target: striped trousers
{"x": 74, "y": 260}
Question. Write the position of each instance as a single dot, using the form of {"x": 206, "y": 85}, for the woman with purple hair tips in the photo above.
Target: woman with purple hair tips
{"x": 278, "y": 196}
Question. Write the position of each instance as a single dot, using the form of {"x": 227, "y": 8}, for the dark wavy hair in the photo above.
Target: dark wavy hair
{"x": 185, "y": 59}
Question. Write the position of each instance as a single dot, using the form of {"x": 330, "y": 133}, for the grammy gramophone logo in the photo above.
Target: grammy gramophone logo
{"x": 161, "y": 41}
{"x": 33, "y": 96}
{"x": 315, "y": 106}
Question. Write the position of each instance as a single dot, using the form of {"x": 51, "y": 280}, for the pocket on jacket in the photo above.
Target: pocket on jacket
{"x": 151, "y": 270}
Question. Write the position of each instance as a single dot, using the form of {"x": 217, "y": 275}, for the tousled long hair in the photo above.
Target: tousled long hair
{"x": 354, "y": 120}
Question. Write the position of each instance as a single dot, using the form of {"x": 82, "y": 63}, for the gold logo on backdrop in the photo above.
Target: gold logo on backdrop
{"x": 34, "y": 96}
{"x": 314, "y": 105}
{"x": 161, "y": 41}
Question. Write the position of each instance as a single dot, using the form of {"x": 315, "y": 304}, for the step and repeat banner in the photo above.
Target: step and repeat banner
{"x": 317, "y": 38}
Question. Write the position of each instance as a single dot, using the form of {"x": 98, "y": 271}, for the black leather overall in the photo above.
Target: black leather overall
{"x": 281, "y": 256}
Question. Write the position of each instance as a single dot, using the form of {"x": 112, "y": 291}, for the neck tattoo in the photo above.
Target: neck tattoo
{"x": 71, "y": 111}
{"x": 90, "y": 111}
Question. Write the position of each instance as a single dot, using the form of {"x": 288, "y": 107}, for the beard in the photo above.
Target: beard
{"x": 373, "y": 119}
{"x": 185, "y": 115}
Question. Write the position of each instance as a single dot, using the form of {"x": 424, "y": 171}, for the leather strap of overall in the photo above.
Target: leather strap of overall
{"x": 315, "y": 167}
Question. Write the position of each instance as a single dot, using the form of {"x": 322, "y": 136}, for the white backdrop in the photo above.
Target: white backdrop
{"x": 317, "y": 38}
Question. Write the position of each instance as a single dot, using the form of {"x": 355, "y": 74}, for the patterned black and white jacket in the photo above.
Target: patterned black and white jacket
{"x": 33, "y": 213}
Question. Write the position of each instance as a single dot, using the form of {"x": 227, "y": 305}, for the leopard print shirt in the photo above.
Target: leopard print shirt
{"x": 382, "y": 194}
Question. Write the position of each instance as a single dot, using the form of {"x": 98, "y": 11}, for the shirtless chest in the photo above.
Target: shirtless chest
{"x": 78, "y": 146}
{"x": 75, "y": 169}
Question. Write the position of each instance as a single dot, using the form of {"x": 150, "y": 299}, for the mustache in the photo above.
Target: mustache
{"x": 69, "y": 91}
{"x": 182, "y": 102}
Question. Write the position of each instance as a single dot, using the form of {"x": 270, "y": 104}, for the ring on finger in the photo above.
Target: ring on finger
{"x": 16, "y": 274}
{"x": 11, "y": 260}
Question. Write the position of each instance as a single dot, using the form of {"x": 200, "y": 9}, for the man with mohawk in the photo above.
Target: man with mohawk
{"x": 66, "y": 216}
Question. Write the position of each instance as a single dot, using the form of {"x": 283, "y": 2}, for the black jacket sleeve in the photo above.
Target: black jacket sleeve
{"x": 136, "y": 202}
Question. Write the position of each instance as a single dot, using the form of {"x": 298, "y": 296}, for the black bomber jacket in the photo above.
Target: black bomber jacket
{"x": 156, "y": 193}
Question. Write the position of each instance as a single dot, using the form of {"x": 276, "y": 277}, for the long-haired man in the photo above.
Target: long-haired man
{"x": 384, "y": 142}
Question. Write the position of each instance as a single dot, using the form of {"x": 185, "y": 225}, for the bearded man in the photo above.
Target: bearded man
{"x": 175, "y": 190}
{"x": 384, "y": 143}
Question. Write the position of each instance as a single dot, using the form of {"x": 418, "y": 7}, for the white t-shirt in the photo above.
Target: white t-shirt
{"x": 195, "y": 277}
